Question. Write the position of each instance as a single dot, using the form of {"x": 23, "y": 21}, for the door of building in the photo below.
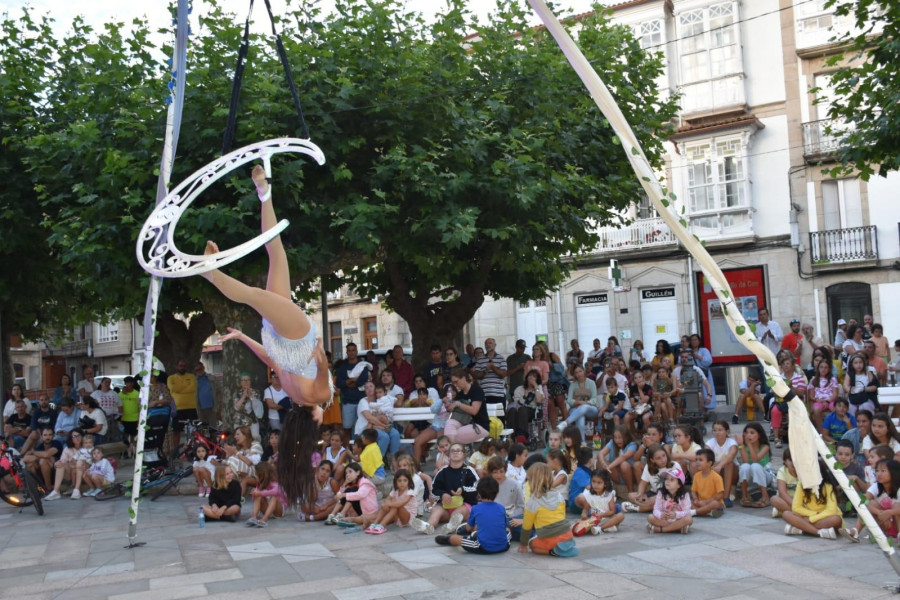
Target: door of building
{"x": 659, "y": 317}
{"x": 592, "y": 318}
{"x": 531, "y": 321}
{"x": 847, "y": 301}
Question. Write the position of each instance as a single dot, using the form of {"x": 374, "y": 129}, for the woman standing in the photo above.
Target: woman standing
{"x": 451, "y": 363}
{"x": 854, "y": 343}
{"x": 575, "y": 356}
{"x": 65, "y": 390}
{"x": 540, "y": 362}
{"x": 704, "y": 360}
{"x": 797, "y": 381}
{"x": 468, "y": 420}
{"x": 557, "y": 387}
{"x": 245, "y": 408}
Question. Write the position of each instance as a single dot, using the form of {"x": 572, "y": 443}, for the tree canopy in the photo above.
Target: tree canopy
{"x": 456, "y": 167}
{"x": 867, "y": 87}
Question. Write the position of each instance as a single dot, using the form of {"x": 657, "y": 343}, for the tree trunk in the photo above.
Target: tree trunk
{"x": 6, "y": 368}
{"x": 179, "y": 340}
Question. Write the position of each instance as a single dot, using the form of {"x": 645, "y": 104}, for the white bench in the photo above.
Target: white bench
{"x": 889, "y": 396}
{"x": 423, "y": 413}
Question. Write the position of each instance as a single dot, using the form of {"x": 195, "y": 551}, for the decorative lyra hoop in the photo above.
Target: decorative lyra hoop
{"x": 156, "y": 249}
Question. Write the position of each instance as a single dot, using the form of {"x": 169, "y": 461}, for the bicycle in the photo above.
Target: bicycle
{"x": 155, "y": 482}
{"x": 212, "y": 440}
{"x": 18, "y": 487}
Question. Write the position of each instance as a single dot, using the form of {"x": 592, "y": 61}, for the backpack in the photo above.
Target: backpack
{"x": 496, "y": 428}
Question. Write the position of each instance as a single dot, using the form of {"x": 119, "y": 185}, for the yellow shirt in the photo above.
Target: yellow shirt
{"x": 370, "y": 459}
{"x": 184, "y": 390}
{"x": 706, "y": 487}
{"x": 815, "y": 510}
{"x": 541, "y": 515}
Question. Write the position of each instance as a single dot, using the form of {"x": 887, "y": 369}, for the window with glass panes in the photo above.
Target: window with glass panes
{"x": 709, "y": 47}
{"x": 716, "y": 177}
{"x": 650, "y": 35}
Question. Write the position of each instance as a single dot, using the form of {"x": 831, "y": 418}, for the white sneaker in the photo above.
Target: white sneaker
{"x": 791, "y": 530}
{"x": 422, "y": 526}
{"x": 630, "y": 507}
{"x": 53, "y": 495}
{"x": 775, "y": 513}
{"x": 562, "y": 425}
{"x": 76, "y": 494}
{"x": 455, "y": 521}
{"x": 595, "y": 530}
{"x": 613, "y": 529}
{"x": 828, "y": 534}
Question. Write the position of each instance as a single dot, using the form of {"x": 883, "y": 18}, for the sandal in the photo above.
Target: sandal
{"x": 759, "y": 504}
{"x": 746, "y": 503}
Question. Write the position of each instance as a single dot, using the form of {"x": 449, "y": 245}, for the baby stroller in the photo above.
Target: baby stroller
{"x": 158, "y": 420}
{"x": 539, "y": 427}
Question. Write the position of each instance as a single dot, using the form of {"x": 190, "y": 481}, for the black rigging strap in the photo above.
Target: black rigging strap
{"x": 228, "y": 138}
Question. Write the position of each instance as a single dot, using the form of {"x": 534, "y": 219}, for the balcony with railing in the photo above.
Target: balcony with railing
{"x": 641, "y": 234}
{"x": 842, "y": 246}
{"x": 822, "y": 139}
{"x": 713, "y": 96}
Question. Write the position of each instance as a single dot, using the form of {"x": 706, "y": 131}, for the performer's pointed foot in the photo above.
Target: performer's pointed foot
{"x": 263, "y": 190}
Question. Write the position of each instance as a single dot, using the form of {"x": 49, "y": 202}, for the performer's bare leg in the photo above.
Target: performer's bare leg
{"x": 274, "y": 303}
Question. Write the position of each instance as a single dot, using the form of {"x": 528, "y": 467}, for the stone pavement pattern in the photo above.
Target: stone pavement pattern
{"x": 76, "y": 551}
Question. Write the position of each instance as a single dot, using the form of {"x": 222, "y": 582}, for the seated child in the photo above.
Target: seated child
{"x": 225, "y": 497}
{"x": 618, "y": 457}
{"x": 558, "y": 462}
{"x": 786, "y": 484}
{"x": 359, "y": 499}
{"x": 455, "y": 488}
{"x": 487, "y": 525}
{"x": 268, "y": 497}
{"x": 486, "y": 449}
{"x": 442, "y": 458}
{"x": 814, "y": 512}
{"x": 644, "y": 498}
{"x": 509, "y": 495}
{"x": 839, "y": 422}
{"x": 400, "y": 506}
{"x": 843, "y": 453}
{"x": 708, "y": 489}
{"x": 371, "y": 459}
{"x": 337, "y": 455}
{"x": 270, "y": 452}
{"x": 100, "y": 474}
{"x": 883, "y": 499}
{"x": 672, "y": 510}
{"x": 617, "y": 403}
{"x": 326, "y": 488}
{"x": 554, "y": 440}
{"x": 515, "y": 469}
{"x": 581, "y": 478}
{"x": 598, "y": 506}
{"x": 204, "y": 470}
{"x": 421, "y": 482}
{"x": 545, "y": 511}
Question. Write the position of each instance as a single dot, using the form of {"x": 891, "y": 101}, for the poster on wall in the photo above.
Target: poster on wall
{"x": 749, "y": 288}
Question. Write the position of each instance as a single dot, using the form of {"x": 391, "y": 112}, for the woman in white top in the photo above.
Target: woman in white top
{"x": 272, "y": 396}
{"x": 93, "y": 420}
{"x": 854, "y": 343}
{"x": 16, "y": 393}
{"x": 243, "y": 454}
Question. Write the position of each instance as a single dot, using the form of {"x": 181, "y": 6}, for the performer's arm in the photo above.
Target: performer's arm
{"x": 255, "y": 347}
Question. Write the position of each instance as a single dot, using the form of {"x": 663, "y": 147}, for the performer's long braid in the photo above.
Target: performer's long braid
{"x": 296, "y": 447}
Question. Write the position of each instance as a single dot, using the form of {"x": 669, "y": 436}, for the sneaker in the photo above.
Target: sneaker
{"x": 53, "y": 495}
{"x": 775, "y": 513}
{"x": 851, "y": 534}
{"x": 735, "y": 419}
{"x": 442, "y": 540}
{"x": 729, "y": 502}
{"x": 262, "y": 524}
{"x": 791, "y": 530}
{"x": 562, "y": 425}
{"x": 828, "y": 534}
{"x": 251, "y": 522}
{"x": 200, "y": 491}
{"x": 329, "y": 520}
{"x": 630, "y": 507}
{"x": 76, "y": 494}
{"x": 716, "y": 513}
{"x": 595, "y": 530}
{"x": 422, "y": 526}
{"x": 778, "y": 444}
{"x": 455, "y": 521}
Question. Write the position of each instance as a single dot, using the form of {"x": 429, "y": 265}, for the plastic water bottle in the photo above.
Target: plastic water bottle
{"x": 201, "y": 518}
{"x": 589, "y": 431}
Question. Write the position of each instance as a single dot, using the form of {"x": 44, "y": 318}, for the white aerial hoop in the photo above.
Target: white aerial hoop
{"x": 157, "y": 236}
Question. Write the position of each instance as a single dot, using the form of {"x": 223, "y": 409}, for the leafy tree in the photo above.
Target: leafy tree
{"x": 454, "y": 170}
{"x": 867, "y": 87}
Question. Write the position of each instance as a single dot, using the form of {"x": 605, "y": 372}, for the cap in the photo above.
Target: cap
{"x": 794, "y": 321}
{"x": 842, "y": 322}
{"x": 674, "y": 471}
{"x": 520, "y": 343}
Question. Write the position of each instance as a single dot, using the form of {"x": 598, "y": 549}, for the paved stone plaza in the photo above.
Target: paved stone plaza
{"x": 77, "y": 551}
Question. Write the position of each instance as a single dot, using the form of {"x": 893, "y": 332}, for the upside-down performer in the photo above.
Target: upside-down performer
{"x": 289, "y": 347}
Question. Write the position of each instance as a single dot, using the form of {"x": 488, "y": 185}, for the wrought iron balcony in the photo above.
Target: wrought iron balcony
{"x": 640, "y": 234}
{"x": 844, "y": 245}
{"x": 822, "y": 138}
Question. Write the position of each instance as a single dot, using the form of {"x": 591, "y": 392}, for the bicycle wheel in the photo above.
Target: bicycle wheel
{"x": 116, "y": 490}
{"x": 17, "y": 495}
{"x": 173, "y": 480}
{"x": 180, "y": 457}
{"x": 32, "y": 489}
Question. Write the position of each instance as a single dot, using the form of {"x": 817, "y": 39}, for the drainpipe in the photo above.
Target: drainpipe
{"x": 690, "y": 273}
{"x": 559, "y": 328}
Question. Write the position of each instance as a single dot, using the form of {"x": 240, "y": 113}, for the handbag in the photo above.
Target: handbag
{"x": 462, "y": 417}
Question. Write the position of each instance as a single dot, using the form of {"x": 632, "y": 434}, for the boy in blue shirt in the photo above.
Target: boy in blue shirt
{"x": 839, "y": 422}
{"x": 487, "y": 529}
{"x": 581, "y": 478}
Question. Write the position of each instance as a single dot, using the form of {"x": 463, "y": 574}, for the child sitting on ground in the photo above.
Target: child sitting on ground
{"x": 672, "y": 510}
{"x": 337, "y": 455}
{"x": 400, "y": 505}
{"x": 644, "y": 498}
{"x": 509, "y": 495}
{"x": 545, "y": 511}
{"x": 559, "y": 464}
{"x": 326, "y": 488}
{"x": 598, "y": 506}
{"x": 204, "y": 470}
{"x": 225, "y": 497}
{"x": 360, "y": 498}
{"x": 268, "y": 497}
{"x": 708, "y": 489}
{"x": 421, "y": 482}
{"x": 486, "y": 527}
{"x": 554, "y": 441}
{"x": 100, "y": 474}
{"x": 786, "y": 482}
{"x": 442, "y": 458}
{"x": 814, "y": 511}
{"x": 843, "y": 453}
{"x": 581, "y": 478}
{"x": 882, "y": 496}
{"x": 371, "y": 459}
{"x": 486, "y": 449}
